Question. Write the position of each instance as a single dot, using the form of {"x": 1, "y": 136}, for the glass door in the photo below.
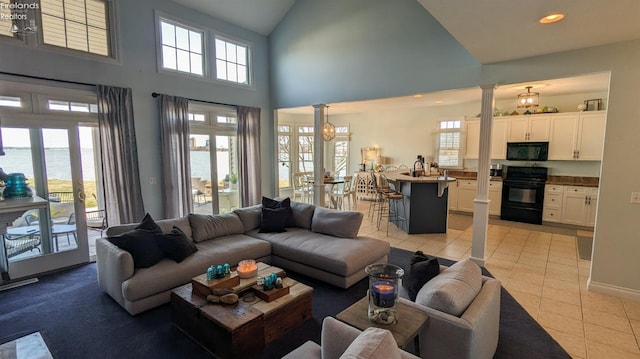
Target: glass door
{"x": 214, "y": 191}
{"x": 51, "y": 161}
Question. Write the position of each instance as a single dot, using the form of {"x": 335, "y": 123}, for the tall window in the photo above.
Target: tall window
{"x": 232, "y": 61}
{"x": 284, "y": 156}
{"x": 448, "y": 151}
{"x": 305, "y": 148}
{"x": 76, "y": 24}
{"x": 214, "y": 159}
{"x": 341, "y": 151}
{"x": 182, "y": 48}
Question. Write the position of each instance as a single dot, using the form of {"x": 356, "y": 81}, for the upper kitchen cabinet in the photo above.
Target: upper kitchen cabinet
{"x": 498, "y": 139}
{"x": 529, "y": 128}
{"x": 577, "y": 136}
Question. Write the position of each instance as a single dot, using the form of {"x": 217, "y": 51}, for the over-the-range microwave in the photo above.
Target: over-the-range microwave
{"x": 527, "y": 151}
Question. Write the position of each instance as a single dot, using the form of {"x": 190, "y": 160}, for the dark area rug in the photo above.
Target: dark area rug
{"x": 77, "y": 320}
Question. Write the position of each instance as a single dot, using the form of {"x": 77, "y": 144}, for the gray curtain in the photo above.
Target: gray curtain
{"x": 249, "y": 155}
{"x": 174, "y": 136}
{"x": 118, "y": 147}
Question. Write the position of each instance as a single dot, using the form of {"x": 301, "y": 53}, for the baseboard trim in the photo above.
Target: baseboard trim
{"x": 613, "y": 290}
{"x": 18, "y": 284}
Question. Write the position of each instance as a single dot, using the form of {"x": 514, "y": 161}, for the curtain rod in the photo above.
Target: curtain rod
{"x": 47, "y": 79}
{"x": 155, "y": 94}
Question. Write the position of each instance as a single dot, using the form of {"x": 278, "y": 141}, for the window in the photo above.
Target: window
{"x": 341, "y": 151}
{"x": 448, "y": 142}
{"x": 232, "y": 61}
{"x": 10, "y": 101}
{"x": 284, "y": 156}
{"x": 55, "y": 105}
{"x": 214, "y": 159}
{"x": 81, "y": 25}
{"x": 305, "y": 149}
{"x": 182, "y": 48}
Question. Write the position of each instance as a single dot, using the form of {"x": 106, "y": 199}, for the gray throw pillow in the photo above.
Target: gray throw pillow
{"x": 345, "y": 224}
{"x": 206, "y": 227}
{"x": 453, "y": 289}
{"x": 302, "y": 214}
{"x": 250, "y": 216}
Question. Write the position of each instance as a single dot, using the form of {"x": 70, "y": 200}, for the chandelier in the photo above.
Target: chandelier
{"x": 528, "y": 99}
{"x": 328, "y": 129}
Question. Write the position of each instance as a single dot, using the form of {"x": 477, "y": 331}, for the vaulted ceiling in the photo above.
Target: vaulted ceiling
{"x": 492, "y": 31}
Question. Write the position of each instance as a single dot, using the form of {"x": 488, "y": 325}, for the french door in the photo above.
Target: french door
{"x": 51, "y": 158}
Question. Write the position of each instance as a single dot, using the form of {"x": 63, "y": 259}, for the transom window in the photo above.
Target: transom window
{"x": 56, "y": 105}
{"x": 182, "y": 48}
{"x": 76, "y": 24}
{"x": 10, "y": 101}
{"x": 84, "y": 26}
{"x": 231, "y": 61}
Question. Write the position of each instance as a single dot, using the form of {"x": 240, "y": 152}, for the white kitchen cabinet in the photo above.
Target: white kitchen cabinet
{"x": 453, "y": 195}
{"x": 495, "y": 196}
{"x": 579, "y": 205}
{"x": 529, "y": 128}
{"x": 590, "y": 137}
{"x": 466, "y": 194}
{"x": 577, "y": 136}
{"x": 498, "y": 139}
{"x": 552, "y": 210}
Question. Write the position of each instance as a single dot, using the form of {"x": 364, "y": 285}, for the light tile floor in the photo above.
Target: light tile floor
{"x": 542, "y": 270}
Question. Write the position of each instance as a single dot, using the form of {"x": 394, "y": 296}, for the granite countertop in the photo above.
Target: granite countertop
{"x": 404, "y": 176}
{"x": 557, "y": 180}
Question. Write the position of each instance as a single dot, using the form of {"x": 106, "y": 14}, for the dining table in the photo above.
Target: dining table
{"x": 329, "y": 181}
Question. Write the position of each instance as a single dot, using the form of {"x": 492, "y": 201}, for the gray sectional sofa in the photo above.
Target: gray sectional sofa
{"x": 319, "y": 243}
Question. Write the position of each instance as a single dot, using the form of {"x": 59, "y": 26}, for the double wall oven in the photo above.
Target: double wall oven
{"x": 523, "y": 194}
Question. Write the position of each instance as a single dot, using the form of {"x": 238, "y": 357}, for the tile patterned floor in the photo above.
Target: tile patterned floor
{"x": 540, "y": 267}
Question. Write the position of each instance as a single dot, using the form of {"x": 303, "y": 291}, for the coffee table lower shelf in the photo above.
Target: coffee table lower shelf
{"x": 243, "y": 330}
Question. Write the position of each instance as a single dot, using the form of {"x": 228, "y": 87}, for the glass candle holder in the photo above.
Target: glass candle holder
{"x": 384, "y": 281}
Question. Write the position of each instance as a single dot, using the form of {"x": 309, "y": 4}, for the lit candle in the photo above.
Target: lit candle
{"x": 384, "y": 294}
{"x": 247, "y": 268}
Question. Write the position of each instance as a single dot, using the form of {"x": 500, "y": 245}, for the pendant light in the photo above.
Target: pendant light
{"x": 328, "y": 129}
{"x": 528, "y": 99}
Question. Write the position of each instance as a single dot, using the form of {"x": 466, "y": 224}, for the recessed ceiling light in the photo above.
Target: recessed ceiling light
{"x": 418, "y": 95}
{"x": 439, "y": 102}
{"x": 552, "y": 18}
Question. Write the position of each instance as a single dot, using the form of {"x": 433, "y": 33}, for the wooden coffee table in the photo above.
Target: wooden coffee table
{"x": 410, "y": 321}
{"x": 242, "y": 330}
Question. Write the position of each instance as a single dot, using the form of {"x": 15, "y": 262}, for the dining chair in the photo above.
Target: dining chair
{"x": 302, "y": 188}
{"x": 341, "y": 191}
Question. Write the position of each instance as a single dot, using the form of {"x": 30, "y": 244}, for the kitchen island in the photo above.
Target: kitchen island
{"x": 425, "y": 201}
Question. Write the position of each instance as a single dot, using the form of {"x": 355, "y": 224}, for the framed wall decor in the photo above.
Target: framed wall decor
{"x": 593, "y": 104}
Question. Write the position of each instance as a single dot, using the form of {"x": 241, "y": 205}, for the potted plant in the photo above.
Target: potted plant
{"x": 233, "y": 179}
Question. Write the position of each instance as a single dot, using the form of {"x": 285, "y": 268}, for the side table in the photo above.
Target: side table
{"x": 410, "y": 321}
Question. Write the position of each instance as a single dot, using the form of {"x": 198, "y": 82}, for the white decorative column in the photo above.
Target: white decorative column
{"x": 481, "y": 202}
{"x": 318, "y": 155}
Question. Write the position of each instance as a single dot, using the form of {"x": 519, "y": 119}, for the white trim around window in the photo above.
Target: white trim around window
{"x": 209, "y": 56}
{"x": 36, "y": 41}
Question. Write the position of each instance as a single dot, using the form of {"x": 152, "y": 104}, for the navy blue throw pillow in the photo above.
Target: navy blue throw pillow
{"x": 276, "y": 204}
{"x": 148, "y": 224}
{"x": 422, "y": 270}
{"x": 274, "y": 220}
{"x": 142, "y": 246}
{"x": 176, "y": 245}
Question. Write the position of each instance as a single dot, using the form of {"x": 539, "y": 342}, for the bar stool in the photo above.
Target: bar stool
{"x": 390, "y": 205}
{"x": 377, "y": 201}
